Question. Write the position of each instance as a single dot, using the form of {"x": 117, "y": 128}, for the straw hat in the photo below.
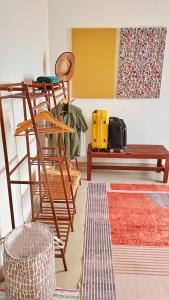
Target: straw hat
{"x": 64, "y": 66}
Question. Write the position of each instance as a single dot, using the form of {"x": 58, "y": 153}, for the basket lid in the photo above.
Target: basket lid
{"x": 28, "y": 240}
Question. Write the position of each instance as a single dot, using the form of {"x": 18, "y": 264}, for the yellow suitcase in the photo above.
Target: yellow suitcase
{"x": 100, "y": 123}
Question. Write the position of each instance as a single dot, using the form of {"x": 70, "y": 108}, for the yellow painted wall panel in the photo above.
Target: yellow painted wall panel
{"x": 95, "y": 62}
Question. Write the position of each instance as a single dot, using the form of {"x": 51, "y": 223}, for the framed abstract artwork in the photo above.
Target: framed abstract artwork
{"x": 121, "y": 63}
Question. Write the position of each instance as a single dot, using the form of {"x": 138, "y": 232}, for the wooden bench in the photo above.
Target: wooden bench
{"x": 157, "y": 152}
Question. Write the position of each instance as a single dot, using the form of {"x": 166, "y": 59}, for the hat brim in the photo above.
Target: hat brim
{"x": 69, "y": 56}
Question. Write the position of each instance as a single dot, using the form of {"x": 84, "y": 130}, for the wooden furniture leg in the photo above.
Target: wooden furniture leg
{"x": 159, "y": 163}
{"x": 166, "y": 170}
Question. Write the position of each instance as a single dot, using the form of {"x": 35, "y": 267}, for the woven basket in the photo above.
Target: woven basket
{"x": 29, "y": 263}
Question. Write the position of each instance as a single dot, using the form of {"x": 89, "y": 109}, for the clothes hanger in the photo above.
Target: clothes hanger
{"x": 63, "y": 101}
{"x": 43, "y": 116}
{"x": 66, "y": 101}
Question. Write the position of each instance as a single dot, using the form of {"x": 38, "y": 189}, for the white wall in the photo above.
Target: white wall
{"x": 23, "y": 54}
{"x": 146, "y": 120}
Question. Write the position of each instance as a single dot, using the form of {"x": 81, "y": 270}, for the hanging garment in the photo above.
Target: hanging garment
{"x": 72, "y": 116}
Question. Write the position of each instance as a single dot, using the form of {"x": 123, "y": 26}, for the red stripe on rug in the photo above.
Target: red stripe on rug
{"x": 140, "y": 187}
{"x": 136, "y": 220}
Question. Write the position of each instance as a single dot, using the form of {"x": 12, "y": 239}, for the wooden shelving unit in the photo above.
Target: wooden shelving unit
{"x": 53, "y": 192}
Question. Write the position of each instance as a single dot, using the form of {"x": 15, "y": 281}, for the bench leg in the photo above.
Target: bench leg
{"x": 159, "y": 163}
{"x": 166, "y": 170}
{"x": 89, "y": 163}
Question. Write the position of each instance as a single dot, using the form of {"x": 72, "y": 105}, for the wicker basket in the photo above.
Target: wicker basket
{"x": 29, "y": 263}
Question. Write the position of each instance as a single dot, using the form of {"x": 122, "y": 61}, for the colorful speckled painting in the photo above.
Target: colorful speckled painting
{"x": 141, "y": 54}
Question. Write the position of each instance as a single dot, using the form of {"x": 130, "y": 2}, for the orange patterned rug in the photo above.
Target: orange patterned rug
{"x": 139, "y": 218}
{"x": 140, "y": 187}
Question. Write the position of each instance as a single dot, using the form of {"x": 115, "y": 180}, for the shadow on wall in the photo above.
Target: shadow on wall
{"x": 44, "y": 63}
{"x": 11, "y": 162}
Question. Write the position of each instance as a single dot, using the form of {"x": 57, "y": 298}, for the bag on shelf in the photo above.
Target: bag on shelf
{"x": 100, "y": 123}
{"x": 48, "y": 79}
{"x": 117, "y": 134}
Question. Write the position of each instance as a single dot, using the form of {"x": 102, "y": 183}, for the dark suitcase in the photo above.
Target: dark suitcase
{"x": 117, "y": 134}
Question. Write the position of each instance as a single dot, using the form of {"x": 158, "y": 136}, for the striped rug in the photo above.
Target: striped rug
{"x": 98, "y": 278}
{"x": 141, "y": 260}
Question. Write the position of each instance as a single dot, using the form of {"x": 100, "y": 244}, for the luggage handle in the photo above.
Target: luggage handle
{"x": 115, "y": 118}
